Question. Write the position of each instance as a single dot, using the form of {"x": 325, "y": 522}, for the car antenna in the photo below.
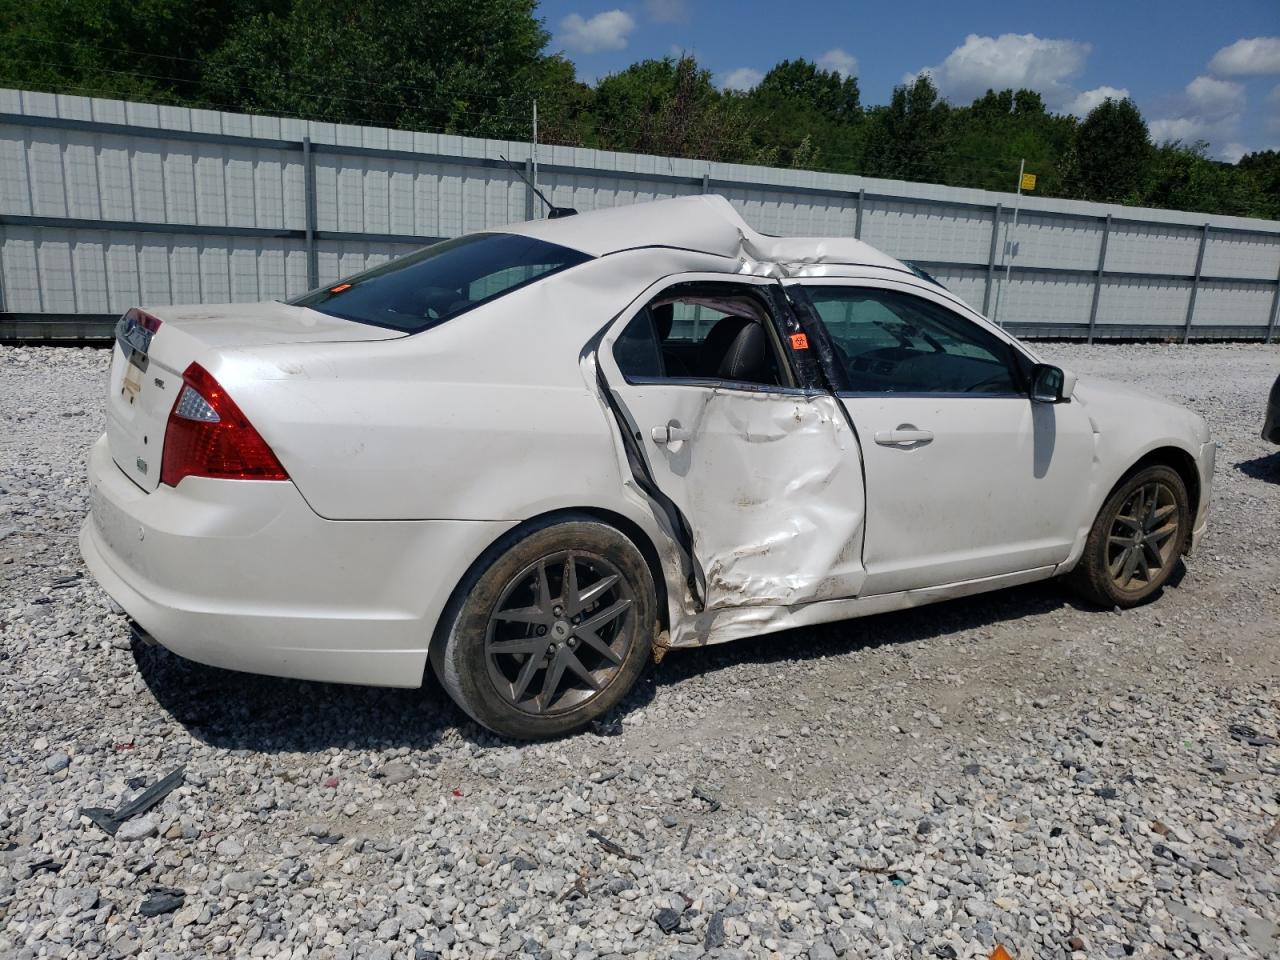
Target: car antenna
{"x": 553, "y": 212}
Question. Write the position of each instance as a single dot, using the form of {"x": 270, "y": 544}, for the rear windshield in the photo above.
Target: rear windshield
{"x": 440, "y": 282}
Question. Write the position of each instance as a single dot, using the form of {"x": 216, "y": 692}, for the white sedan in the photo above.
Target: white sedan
{"x": 537, "y": 457}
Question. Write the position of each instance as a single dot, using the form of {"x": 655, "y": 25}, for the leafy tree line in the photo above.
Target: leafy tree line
{"x": 475, "y": 67}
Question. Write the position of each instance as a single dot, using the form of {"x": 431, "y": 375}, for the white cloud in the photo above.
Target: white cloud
{"x": 1011, "y": 60}
{"x": 667, "y": 11}
{"x": 1248, "y": 57}
{"x": 1271, "y": 118}
{"x": 1085, "y": 101}
{"x": 841, "y": 61}
{"x": 1232, "y": 152}
{"x": 604, "y": 31}
{"x": 1215, "y": 99}
{"x": 1209, "y": 109}
{"x": 742, "y": 79}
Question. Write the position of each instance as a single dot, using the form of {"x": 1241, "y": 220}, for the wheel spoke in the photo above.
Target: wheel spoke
{"x": 1113, "y": 568}
{"x": 1130, "y": 566}
{"x": 1155, "y": 517}
{"x": 526, "y": 674}
{"x": 592, "y": 639}
{"x": 1155, "y": 560}
{"x": 1164, "y": 533}
{"x": 536, "y": 645}
{"x": 607, "y": 615}
{"x": 1132, "y": 523}
{"x": 569, "y": 588}
{"x": 1122, "y": 542}
{"x": 544, "y": 588}
{"x": 575, "y": 665}
{"x": 523, "y": 615}
{"x": 594, "y": 592}
{"x": 551, "y": 682}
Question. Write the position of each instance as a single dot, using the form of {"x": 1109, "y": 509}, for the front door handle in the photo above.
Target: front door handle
{"x": 670, "y": 433}
{"x": 905, "y": 435}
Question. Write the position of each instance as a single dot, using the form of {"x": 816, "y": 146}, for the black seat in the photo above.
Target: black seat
{"x": 736, "y": 349}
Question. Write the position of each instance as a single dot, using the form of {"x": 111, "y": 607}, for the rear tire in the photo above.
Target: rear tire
{"x": 550, "y": 631}
{"x": 1136, "y": 541}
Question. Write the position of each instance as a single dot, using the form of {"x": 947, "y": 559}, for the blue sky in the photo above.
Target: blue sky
{"x": 1204, "y": 70}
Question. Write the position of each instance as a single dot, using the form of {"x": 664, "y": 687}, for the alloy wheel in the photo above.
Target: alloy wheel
{"x": 560, "y": 632}
{"x": 1143, "y": 535}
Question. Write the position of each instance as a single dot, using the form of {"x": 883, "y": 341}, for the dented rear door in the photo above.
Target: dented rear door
{"x": 767, "y": 481}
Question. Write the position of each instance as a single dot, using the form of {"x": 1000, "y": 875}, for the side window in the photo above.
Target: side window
{"x": 702, "y": 331}
{"x": 636, "y": 350}
{"x": 892, "y": 342}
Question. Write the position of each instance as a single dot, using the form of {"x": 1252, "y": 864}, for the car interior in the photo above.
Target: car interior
{"x": 890, "y": 342}
{"x": 692, "y": 333}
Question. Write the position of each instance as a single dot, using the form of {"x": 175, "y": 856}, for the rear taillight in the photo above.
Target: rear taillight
{"x": 208, "y": 436}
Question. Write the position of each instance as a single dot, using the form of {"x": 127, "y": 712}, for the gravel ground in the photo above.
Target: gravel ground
{"x": 1013, "y": 768}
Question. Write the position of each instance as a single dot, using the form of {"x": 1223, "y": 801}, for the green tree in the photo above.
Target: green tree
{"x": 1182, "y": 177}
{"x": 1263, "y": 169}
{"x": 669, "y": 107}
{"x": 1113, "y": 152}
{"x": 806, "y": 117}
{"x": 908, "y": 139}
{"x": 133, "y": 49}
{"x": 451, "y": 65}
{"x": 999, "y": 131}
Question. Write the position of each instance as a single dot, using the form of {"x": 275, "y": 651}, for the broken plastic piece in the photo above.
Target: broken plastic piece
{"x": 607, "y": 728}
{"x": 609, "y": 846}
{"x": 713, "y": 803}
{"x": 162, "y": 900}
{"x": 111, "y": 820}
{"x": 1000, "y": 953}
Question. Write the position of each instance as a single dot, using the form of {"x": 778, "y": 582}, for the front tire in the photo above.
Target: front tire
{"x": 1136, "y": 541}
{"x": 551, "y": 632}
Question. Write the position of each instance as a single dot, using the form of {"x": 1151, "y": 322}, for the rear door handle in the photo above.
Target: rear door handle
{"x": 904, "y": 436}
{"x": 670, "y": 433}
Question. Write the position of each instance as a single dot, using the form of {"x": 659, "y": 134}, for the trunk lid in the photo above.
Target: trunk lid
{"x": 154, "y": 347}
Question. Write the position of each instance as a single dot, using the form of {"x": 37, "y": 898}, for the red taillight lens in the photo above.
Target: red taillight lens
{"x": 208, "y": 436}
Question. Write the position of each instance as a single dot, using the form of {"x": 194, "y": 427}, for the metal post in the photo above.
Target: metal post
{"x": 857, "y": 224}
{"x": 1097, "y": 280}
{"x": 1195, "y": 284}
{"x": 996, "y": 215}
{"x": 535, "y": 143}
{"x": 529, "y": 206}
{"x": 706, "y": 183}
{"x": 1271, "y": 327}
{"x": 1, "y": 271}
{"x": 309, "y": 201}
{"x": 1006, "y": 254}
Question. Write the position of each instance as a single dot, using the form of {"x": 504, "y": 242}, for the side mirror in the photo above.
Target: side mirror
{"x": 1051, "y": 384}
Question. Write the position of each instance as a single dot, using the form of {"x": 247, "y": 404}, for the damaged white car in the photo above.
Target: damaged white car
{"x": 537, "y": 457}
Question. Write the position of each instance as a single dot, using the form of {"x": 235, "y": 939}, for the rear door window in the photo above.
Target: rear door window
{"x": 442, "y": 281}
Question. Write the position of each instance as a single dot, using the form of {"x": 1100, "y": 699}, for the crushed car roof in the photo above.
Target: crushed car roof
{"x": 706, "y": 223}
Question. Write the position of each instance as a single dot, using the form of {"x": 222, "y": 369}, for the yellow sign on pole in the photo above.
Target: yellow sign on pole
{"x": 1028, "y": 181}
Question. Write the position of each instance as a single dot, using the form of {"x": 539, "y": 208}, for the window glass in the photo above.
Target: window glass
{"x": 636, "y": 350}
{"x": 892, "y": 342}
{"x": 442, "y": 281}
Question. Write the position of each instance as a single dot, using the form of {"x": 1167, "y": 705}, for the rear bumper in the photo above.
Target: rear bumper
{"x": 244, "y": 575}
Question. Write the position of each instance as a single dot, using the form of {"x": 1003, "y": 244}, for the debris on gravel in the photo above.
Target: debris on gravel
{"x": 1013, "y": 769}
